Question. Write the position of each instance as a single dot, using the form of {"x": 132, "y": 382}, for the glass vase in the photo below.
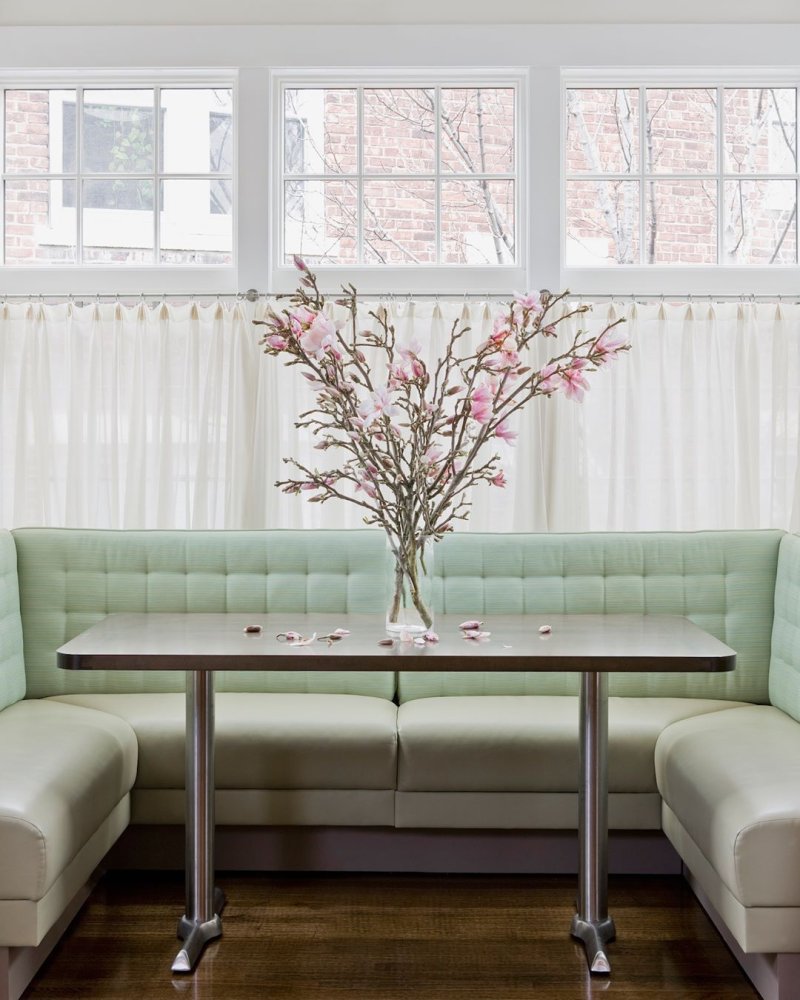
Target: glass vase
{"x": 409, "y": 585}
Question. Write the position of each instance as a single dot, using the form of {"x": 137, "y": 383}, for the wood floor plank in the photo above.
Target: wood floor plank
{"x": 390, "y": 937}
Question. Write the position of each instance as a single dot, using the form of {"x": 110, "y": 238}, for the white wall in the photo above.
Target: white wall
{"x": 407, "y": 12}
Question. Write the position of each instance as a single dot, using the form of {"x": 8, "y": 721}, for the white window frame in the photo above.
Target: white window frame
{"x": 433, "y": 278}
{"x": 123, "y": 278}
{"x": 701, "y": 279}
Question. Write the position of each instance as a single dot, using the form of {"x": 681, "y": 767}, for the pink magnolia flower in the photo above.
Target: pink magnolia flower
{"x": 321, "y": 334}
{"x": 433, "y": 454}
{"x": 574, "y": 381}
{"x": 481, "y": 403}
{"x": 411, "y": 349}
{"x": 548, "y": 379}
{"x": 398, "y": 373}
{"x": 507, "y": 358}
{"x": 300, "y": 319}
{"x": 365, "y": 483}
{"x": 276, "y": 342}
{"x": 608, "y": 346}
{"x": 504, "y": 432}
{"x": 529, "y": 301}
{"x": 499, "y": 479}
{"x": 410, "y": 366}
{"x": 379, "y": 404}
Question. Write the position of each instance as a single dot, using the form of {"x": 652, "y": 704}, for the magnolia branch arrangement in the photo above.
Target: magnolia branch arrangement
{"x": 414, "y": 438}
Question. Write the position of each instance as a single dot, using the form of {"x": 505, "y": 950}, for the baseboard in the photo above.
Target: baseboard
{"x": 776, "y": 977}
{"x": 386, "y": 849}
{"x": 18, "y": 966}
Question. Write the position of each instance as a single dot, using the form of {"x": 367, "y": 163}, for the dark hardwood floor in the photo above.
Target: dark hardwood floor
{"x": 359, "y": 937}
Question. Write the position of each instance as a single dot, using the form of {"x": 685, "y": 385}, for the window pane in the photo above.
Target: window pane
{"x": 195, "y": 222}
{"x": 760, "y": 222}
{"x": 477, "y": 130}
{"x": 602, "y": 131}
{"x": 118, "y": 221}
{"x": 399, "y": 133}
{"x": 760, "y": 130}
{"x": 399, "y": 222}
{"x": 197, "y": 131}
{"x": 320, "y": 222}
{"x": 320, "y": 130}
{"x": 681, "y": 131}
{"x": 40, "y": 131}
{"x": 477, "y": 222}
{"x": 681, "y": 224}
{"x": 38, "y": 227}
{"x": 602, "y": 223}
{"x": 118, "y": 131}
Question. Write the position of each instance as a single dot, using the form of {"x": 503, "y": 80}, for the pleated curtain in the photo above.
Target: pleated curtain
{"x": 169, "y": 416}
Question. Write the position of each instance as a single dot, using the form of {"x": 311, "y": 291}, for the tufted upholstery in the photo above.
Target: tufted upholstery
{"x": 12, "y": 668}
{"x": 722, "y": 580}
{"x": 784, "y": 671}
{"x": 70, "y": 579}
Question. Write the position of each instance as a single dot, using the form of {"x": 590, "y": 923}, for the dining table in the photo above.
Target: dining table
{"x": 591, "y": 645}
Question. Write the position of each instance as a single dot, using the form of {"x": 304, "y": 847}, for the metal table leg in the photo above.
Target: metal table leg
{"x": 592, "y": 924}
{"x": 201, "y": 923}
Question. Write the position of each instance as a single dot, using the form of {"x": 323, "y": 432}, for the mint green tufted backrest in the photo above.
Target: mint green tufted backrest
{"x": 784, "y": 671}
{"x": 12, "y": 668}
{"x": 723, "y": 580}
{"x": 71, "y": 578}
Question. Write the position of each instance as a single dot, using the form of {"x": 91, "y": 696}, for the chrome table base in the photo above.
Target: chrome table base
{"x": 592, "y": 924}
{"x": 204, "y": 903}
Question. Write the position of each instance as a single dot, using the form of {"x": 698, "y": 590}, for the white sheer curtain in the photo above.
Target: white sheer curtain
{"x": 169, "y": 416}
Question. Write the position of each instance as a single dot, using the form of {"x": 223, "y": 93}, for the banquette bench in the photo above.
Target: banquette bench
{"x": 712, "y": 760}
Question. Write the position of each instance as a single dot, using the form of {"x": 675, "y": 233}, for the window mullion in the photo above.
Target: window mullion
{"x": 78, "y": 175}
{"x": 720, "y": 175}
{"x": 157, "y": 189}
{"x": 437, "y": 204}
{"x": 3, "y": 176}
{"x": 643, "y": 168}
{"x": 360, "y": 175}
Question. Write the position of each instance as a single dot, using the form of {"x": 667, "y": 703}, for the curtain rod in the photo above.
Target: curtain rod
{"x": 252, "y": 295}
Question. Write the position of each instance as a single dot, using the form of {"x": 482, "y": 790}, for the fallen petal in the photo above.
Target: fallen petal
{"x": 470, "y": 625}
{"x": 431, "y": 637}
{"x": 544, "y": 629}
{"x": 341, "y": 631}
{"x": 252, "y": 628}
{"x": 386, "y": 642}
{"x": 300, "y": 641}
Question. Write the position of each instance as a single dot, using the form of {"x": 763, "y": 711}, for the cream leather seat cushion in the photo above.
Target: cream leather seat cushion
{"x": 264, "y": 741}
{"x": 63, "y": 770}
{"x": 733, "y": 782}
{"x": 517, "y": 743}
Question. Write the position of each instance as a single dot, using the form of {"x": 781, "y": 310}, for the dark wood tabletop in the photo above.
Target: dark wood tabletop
{"x": 620, "y": 643}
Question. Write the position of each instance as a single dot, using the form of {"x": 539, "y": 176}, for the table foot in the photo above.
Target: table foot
{"x": 595, "y": 935}
{"x": 196, "y": 934}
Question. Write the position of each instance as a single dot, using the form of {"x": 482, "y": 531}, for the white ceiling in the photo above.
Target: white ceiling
{"x": 209, "y": 12}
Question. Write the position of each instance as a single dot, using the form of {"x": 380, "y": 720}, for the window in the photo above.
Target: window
{"x": 681, "y": 176}
{"x": 130, "y": 175}
{"x": 400, "y": 176}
